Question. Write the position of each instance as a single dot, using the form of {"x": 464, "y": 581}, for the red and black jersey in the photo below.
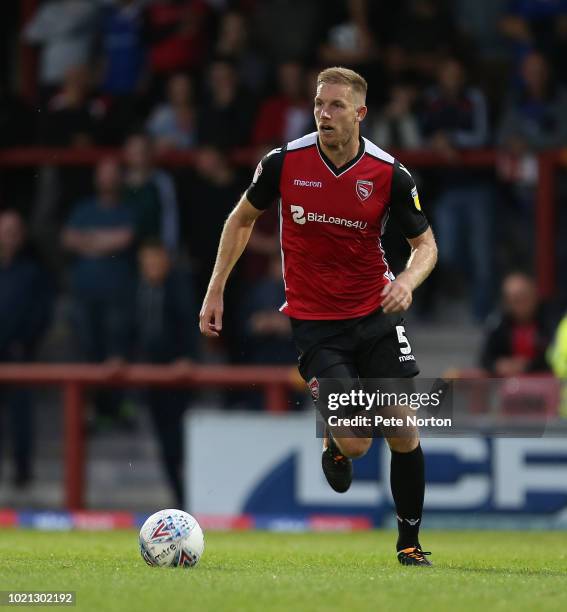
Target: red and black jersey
{"x": 331, "y": 223}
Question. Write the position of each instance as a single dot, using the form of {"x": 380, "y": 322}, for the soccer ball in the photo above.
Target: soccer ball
{"x": 171, "y": 538}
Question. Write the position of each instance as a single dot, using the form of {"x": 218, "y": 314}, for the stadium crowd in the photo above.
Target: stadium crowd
{"x": 147, "y": 77}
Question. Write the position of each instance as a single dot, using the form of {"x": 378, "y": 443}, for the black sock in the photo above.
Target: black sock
{"x": 407, "y": 479}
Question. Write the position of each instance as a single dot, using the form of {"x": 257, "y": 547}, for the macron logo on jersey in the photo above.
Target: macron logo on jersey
{"x": 301, "y": 183}
{"x": 299, "y": 216}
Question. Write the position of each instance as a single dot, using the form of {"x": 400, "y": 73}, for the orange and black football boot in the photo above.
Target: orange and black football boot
{"x": 336, "y": 467}
{"x": 414, "y": 556}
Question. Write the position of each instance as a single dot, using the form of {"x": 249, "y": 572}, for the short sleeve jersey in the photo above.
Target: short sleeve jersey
{"x": 331, "y": 223}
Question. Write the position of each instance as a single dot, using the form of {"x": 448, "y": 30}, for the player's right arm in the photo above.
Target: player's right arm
{"x": 235, "y": 235}
{"x": 234, "y": 238}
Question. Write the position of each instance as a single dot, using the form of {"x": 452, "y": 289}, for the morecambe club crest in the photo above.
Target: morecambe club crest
{"x": 314, "y": 388}
{"x": 364, "y": 189}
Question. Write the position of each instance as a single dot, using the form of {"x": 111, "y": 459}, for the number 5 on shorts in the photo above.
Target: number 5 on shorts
{"x": 405, "y": 348}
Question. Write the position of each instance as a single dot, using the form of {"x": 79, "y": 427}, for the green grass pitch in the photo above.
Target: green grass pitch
{"x": 256, "y": 571}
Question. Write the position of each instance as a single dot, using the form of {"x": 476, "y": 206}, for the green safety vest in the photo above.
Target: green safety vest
{"x": 557, "y": 352}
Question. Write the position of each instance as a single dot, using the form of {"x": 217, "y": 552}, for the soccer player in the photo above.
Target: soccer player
{"x": 336, "y": 191}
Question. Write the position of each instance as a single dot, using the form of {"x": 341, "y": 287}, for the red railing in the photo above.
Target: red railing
{"x": 548, "y": 163}
{"x": 75, "y": 379}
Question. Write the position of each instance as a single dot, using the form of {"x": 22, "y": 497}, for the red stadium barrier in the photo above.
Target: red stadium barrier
{"x": 74, "y": 379}
{"x": 548, "y": 163}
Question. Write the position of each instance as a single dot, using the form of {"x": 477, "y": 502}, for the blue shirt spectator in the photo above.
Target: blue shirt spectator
{"x": 100, "y": 233}
{"x": 454, "y": 114}
{"x": 26, "y": 294}
{"x": 537, "y": 114}
{"x": 99, "y": 270}
{"x": 122, "y": 45}
{"x": 26, "y": 300}
{"x": 535, "y": 25}
{"x": 454, "y": 117}
{"x": 172, "y": 124}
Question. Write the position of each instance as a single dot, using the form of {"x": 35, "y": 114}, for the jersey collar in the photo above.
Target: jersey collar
{"x": 346, "y": 167}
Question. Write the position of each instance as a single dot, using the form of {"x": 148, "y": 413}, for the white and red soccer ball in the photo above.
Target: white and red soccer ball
{"x": 171, "y": 538}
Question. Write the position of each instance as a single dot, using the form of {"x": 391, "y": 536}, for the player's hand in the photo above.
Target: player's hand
{"x": 396, "y": 296}
{"x": 210, "y": 317}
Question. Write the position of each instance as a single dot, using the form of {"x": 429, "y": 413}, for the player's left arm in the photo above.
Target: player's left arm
{"x": 406, "y": 209}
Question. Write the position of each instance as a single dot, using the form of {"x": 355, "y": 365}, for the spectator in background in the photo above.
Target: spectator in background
{"x": 212, "y": 194}
{"x": 537, "y": 114}
{"x": 479, "y": 21}
{"x": 227, "y": 107}
{"x": 65, "y": 30}
{"x": 454, "y": 113}
{"x": 26, "y": 300}
{"x": 233, "y": 42}
{"x": 74, "y": 118}
{"x": 348, "y": 39}
{"x": 151, "y": 194}
{"x": 427, "y": 33}
{"x": 267, "y": 334}
{"x": 396, "y": 126}
{"x": 454, "y": 118}
{"x": 166, "y": 333}
{"x": 172, "y": 124}
{"x": 518, "y": 338}
{"x": 517, "y": 172}
{"x": 100, "y": 234}
{"x": 74, "y": 115}
{"x": 534, "y": 119}
{"x": 123, "y": 59}
{"x": 285, "y": 116}
{"x": 534, "y": 24}
{"x": 285, "y": 29}
{"x": 122, "y": 48}
{"x": 177, "y": 37}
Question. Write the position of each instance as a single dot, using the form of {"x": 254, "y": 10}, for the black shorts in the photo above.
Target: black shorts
{"x": 373, "y": 346}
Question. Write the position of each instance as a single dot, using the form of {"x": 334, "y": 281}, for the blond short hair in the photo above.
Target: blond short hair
{"x": 344, "y": 76}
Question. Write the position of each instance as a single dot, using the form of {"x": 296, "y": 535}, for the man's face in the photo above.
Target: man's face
{"x": 179, "y": 89}
{"x": 535, "y": 71}
{"x": 108, "y": 176}
{"x": 137, "y": 152}
{"x": 451, "y": 76}
{"x": 520, "y": 297}
{"x": 337, "y": 114}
